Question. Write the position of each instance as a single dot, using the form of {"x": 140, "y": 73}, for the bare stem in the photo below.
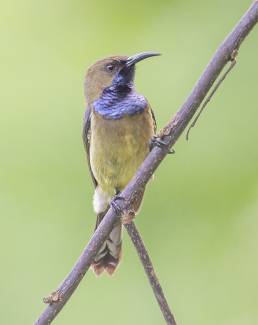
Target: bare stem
{"x": 150, "y": 272}
{"x": 169, "y": 135}
{"x": 213, "y": 91}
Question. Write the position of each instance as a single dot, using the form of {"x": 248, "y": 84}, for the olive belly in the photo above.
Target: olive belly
{"x": 118, "y": 147}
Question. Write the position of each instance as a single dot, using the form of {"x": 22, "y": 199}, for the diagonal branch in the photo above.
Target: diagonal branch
{"x": 169, "y": 135}
{"x": 149, "y": 269}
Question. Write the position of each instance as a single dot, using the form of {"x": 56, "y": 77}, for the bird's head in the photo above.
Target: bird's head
{"x": 112, "y": 71}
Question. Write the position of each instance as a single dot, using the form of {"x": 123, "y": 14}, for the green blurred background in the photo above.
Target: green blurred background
{"x": 199, "y": 218}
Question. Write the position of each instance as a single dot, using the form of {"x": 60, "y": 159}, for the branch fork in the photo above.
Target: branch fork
{"x": 227, "y": 51}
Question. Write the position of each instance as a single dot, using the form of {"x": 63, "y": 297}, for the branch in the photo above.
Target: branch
{"x": 149, "y": 269}
{"x": 169, "y": 135}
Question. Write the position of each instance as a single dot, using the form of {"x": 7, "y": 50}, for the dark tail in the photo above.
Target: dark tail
{"x": 109, "y": 255}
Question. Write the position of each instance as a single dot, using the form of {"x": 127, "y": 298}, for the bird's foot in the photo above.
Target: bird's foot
{"x": 115, "y": 206}
{"x": 158, "y": 142}
{"x": 126, "y": 216}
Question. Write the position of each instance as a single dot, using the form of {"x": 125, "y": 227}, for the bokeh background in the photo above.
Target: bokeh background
{"x": 199, "y": 218}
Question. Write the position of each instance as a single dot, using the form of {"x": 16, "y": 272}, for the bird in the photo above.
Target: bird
{"x": 118, "y": 129}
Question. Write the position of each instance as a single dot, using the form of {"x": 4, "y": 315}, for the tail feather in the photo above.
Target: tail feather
{"x": 109, "y": 254}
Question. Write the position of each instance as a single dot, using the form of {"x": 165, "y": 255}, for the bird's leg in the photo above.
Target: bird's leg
{"x": 158, "y": 142}
{"x": 125, "y": 215}
{"x": 113, "y": 203}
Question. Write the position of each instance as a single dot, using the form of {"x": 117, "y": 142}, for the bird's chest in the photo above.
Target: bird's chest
{"x": 118, "y": 147}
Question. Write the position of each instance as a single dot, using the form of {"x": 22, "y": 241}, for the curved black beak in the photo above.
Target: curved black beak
{"x": 125, "y": 76}
{"x": 132, "y": 60}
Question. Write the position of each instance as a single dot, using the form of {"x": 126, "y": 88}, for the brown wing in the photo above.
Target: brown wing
{"x": 86, "y": 139}
{"x": 154, "y": 121}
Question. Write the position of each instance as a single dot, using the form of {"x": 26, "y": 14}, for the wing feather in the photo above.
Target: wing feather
{"x": 154, "y": 121}
{"x": 86, "y": 140}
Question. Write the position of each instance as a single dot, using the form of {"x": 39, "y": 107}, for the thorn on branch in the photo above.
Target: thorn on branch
{"x": 53, "y": 298}
{"x": 234, "y": 55}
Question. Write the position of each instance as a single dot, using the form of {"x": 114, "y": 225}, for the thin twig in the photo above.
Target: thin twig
{"x": 215, "y": 88}
{"x": 169, "y": 135}
{"x": 150, "y": 272}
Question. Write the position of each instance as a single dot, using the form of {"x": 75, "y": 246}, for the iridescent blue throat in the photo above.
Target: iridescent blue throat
{"x": 117, "y": 102}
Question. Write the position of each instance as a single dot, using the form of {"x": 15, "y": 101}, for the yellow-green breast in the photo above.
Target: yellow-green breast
{"x": 118, "y": 147}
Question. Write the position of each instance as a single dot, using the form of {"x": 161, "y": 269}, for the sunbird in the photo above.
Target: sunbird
{"x": 119, "y": 126}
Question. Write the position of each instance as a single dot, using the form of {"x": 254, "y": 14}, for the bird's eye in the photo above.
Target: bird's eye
{"x": 110, "y": 67}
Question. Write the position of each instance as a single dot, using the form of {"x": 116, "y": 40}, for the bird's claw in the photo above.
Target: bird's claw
{"x": 126, "y": 215}
{"x": 158, "y": 142}
{"x": 117, "y": 209}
